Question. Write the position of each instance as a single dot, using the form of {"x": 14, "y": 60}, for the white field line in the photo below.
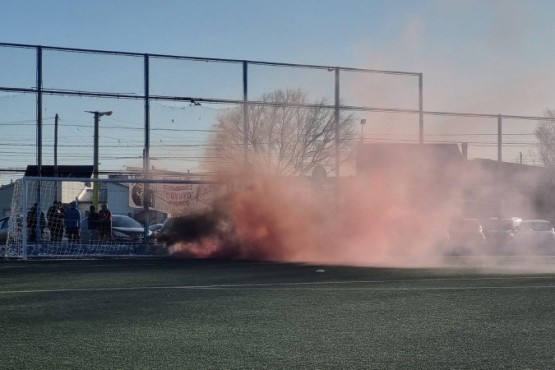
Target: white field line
{"x": 315, "y": 285}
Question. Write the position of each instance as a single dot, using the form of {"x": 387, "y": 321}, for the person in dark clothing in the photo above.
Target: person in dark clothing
{"x": 55, "y": 222}
{"x": 105, "y": 222}
{"x": 92, "y": 222}
{"x": 62, "y": 209}
{"x": 33, "y": 222}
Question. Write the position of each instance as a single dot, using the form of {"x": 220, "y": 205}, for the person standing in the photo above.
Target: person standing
{"x": 50, "y": 217}
{"x": 33, "y": 222}
{"x": 105, "y": 222}
{"x": 55, "y": 222}
{"x": 92, "y": 223}
{"x": 61, "y": 220}
{"x": 73, "y": 222}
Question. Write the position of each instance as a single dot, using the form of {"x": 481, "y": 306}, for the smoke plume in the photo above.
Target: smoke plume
{"x": 397, "y": 214}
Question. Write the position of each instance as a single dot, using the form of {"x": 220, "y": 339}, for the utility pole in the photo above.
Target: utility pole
{"x": 97, "y": 116}
{"x": 95, "y": 159}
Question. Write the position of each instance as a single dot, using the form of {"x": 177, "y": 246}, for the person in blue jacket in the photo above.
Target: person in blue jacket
{"x": 72, "y": 220}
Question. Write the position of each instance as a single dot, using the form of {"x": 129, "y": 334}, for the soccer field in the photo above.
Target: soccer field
{"x": 163, "y": 313}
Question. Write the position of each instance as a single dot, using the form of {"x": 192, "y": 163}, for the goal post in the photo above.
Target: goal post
{"x": 50, "y": 216}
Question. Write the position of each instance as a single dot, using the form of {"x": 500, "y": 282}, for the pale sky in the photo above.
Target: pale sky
{"x": 491, "y": 56}
{"x": 486, "y": 56}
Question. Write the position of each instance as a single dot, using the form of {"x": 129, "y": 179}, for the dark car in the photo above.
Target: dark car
{"x": 536, "y": 236}
{"x": 466, "y": 235}
{"x": 161, "y": 235}
{"x": 4, "y": 223}
{"x": 4, "y": 226}
{"x": 156, "y": 229}
{"x": 500, "y": 232}
{"x": 124, "y": 229}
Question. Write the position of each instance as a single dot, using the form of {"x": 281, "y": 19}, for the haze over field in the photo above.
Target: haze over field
{"x": 396, "y": 217}
{"x": 490, "y": 57}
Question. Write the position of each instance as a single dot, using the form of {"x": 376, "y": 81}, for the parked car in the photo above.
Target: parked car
{"x": 500, "y": 232}
{"x": 124, "y": 229}
{"x": 161, "y": 235}
{"x": 4, "y": 223}
{"x": 156, "y": 229}
{"x": 536, "y": 235}
{"x": 466, "y": 235}
{"x": 4, "y": 226}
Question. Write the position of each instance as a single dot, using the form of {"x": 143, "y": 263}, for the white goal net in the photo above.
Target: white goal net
{"x": 73, "y": 218}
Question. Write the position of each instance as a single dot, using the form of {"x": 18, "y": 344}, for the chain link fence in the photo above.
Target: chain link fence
{"x": 166, "y": 109}
{"x": 150, "y": 116}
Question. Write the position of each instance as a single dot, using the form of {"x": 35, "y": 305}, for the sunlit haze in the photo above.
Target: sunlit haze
{"x": 479, "y": 62}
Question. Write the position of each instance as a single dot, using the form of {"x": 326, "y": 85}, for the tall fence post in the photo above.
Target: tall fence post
{"x": 337, "y": 191}
{"x": 499, "y": 159}
{"x": 38, "y": 229}
{"x": 24, "y": 211}
{"x": 245, "y": 114}
{"x": 56, "y": 119}
{"x": 39, "y": 111}
{"x": 420, "y": 109}
{"x": 337, "y": 126}
{"x": 146, "y": 155}
{"x": 499, "y": 137}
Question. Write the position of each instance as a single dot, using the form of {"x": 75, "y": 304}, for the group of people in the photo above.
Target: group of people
{"x": 100, "y": 223}
{"x": 60, "y": 219}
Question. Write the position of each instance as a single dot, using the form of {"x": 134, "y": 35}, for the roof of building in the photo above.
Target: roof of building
{"x": 73, "y": 171}
{"x": 390, "y": 155}
{"x": 6, "y": 186}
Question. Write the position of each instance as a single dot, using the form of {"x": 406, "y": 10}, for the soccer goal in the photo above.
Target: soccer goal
{"x": 117, "y": 216}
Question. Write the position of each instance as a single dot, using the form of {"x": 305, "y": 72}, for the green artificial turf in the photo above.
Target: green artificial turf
{"x": 164, "y": 314}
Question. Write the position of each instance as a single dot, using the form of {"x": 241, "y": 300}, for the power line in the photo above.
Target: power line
{"x": 29, "y": 122}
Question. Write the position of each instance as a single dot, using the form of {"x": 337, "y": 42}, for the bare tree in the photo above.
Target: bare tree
{"x": 284, "y": 136}
{"x": 545, "y": 133}
{"x": 532, "y": 157}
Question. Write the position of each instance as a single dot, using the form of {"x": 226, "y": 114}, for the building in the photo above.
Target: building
{"x": 503, "y": 189}
{"x": 424, "y": 175}
{"x": 6, "y": 195}
{"x": 437, "y": 174}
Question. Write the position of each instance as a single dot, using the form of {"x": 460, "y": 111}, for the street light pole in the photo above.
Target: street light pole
{"x": 97, "y": 116}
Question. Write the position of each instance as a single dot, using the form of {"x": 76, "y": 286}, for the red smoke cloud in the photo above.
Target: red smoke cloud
{"x": 396, "y": 214}
{"x": 366, "y": 221}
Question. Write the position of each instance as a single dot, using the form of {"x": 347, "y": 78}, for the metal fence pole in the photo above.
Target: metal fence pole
{"x": 420, "y": 109}
{"x": 24, "y": 219}
{"x": 38, "y": 229}
{"x": 245, "y": 114}
{"x": 337, "y": 193}
{"x": 498, "y": 171}
{"x": 39, "y": 111}
{"x": 56, "y": 119}
{"x": 337, "y": 126}
{"x": 146, "y": 154}
{"x": 499, "y": 137}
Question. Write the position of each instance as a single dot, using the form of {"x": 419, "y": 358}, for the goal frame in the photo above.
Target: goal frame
{"x": 29, "y": 190}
